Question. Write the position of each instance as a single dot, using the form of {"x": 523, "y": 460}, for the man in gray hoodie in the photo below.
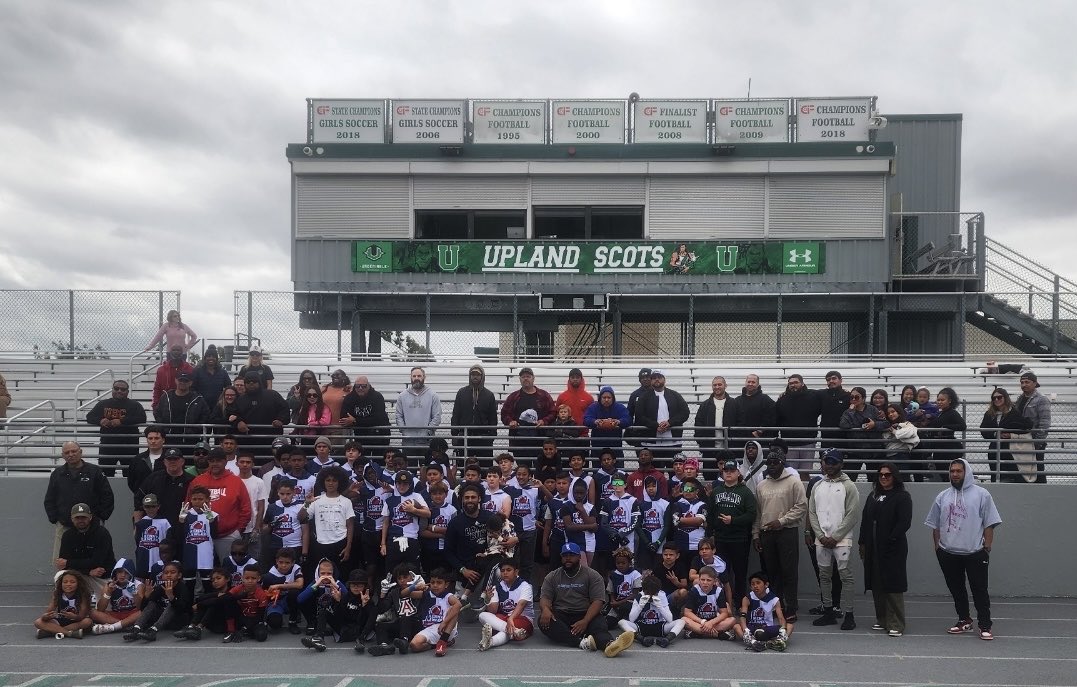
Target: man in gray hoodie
{"x": 418, "y": 412}
{"x": 963, "y": 519}
{"x": 833, "y": 508}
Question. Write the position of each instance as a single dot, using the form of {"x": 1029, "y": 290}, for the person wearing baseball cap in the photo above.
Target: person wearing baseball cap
{"x": 524, "y": 443}
{"x": 230, "y": 502}
{"x": 175, "y": 362}
{"x": 1035, "y": 408}
{"x": 182, "y": 411}
{"x": 833, "y": 508}
{"x": 571, "y": 602}
{"x": 87, "y": 547}
{"x": 782, "y": 503}
{"x": 254, "y": 364}
{"x": 663, "y": 412}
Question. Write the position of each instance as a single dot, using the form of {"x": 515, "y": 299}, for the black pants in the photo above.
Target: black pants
{"x": 331, "y": 551}
{"x": 735, "y": 554}
{"x": 781, "y": 554}
{"x": 525, "y": 552}
{"x": 955, "y": 568}
{"x": 394, "y": 556}
{"x": 404, "y": 627}
{"x": 1041, "y": 448}
{"x": 559, "y": 630}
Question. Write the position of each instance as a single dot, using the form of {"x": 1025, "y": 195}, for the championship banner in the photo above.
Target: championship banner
{"x": 500, "y": 121}
{"x": 625, "y": 257}
{"x": 833, "y": 119}
{"x": 347, "y": 121}
{"x": 428, "y": 121}
{"x": 588, "y": 121}
{"x": 751, "y": 121}
{"x": 678, "y": 121}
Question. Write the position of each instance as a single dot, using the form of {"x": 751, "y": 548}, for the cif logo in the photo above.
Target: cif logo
{"x": 323, "y": 109}
{"x": 403, "y": 109}
{"x": 804, "y": 256}
{"x": 807, "y": 109}
{"x": 374, "y": 252}
{"x": 725, "y": 110}
{"x": 482, "y": 111}
{"x": 564, "y": 110}
{"x": 649, "y": 111}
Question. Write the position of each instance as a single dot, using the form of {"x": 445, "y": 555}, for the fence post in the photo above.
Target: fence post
{"x": 1054, "y": 315}
{"x": 515, "y": 326}
{"x": 778, "y": 331}
{"x": 690, "y": 332}
{"x": 161, "y": 308}
{"x": 71, "y": 321}
{"x": 340, "y": 323}
{"x": 427, "y": 321}
{"x": 871, "y": 327}
{"x": 250, "y": 319}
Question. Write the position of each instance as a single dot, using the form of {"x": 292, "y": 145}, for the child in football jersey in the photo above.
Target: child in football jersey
{"x": 707, "y": 610}
{"x": 676, "y": 476}
{"x": 283, "y": 583}
{"x": 211, "y": 610}
{"x": 399, "y": 622}
{"x": 652, "y": 617}
{"x": 576, "y": 473}
{"x": 762, "y": 623}
{"x": 580, "y": 523}
{"x": 249, "y": 606}
{"x": 281, "y": 526}
{"x": 672, "y": 574}
{"x": 119, "y": 605}
{"x": 689, "y": 518}
{"x": 507, "y": 463}
{"x": 707, "y": 557}
{"x": 603, "y": 476}
{"x": 372, "y": 495}
{"x": 198, "y": 529}
{"x": 438, "y": 612}
{"x": 432, "y": 530}
{"x": 653, "y": 526}
{"x": 624, "y": 583}
{"x": 150, "y": 531}
{"x": 167, "y": 604}
{"x": 510, "y": 612}
{"x": 621, "y": 513}
{"x": 320, "y": 601}
{"x": 526, "y": 495}
{"x": 555, "y": 527}
{"x": 235, "y": 563}
{"x": 68, "y": 613}
{"x": 496, "y": 499}
{"x": 167, "y": 552}
{"x": 297, "y": 471}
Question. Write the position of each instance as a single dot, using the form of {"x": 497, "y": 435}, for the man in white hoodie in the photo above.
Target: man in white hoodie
{"x": 963, "y": 519}
{"x": 833, "y": 508}
{"x": 418, "y": 412}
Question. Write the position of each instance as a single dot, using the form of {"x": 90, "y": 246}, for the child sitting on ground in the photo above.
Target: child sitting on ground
{"x": 168, "y": 603}
{"x": 707, "y": 611}
{"x": 399, "y": 621}
{"x": 762, "y": 624}
{"x": 510, "y": 612}
{"x": 68, "y": 613}
{"x": 119, "y": 604}
{"x": 438, "y": 612}
{"x": 319, "y": 602}
{"x": 624, "y": 583}
{"x": 248, "y": 610}
{"x": 652, "y": 617}
{"x": 211, "y": 609}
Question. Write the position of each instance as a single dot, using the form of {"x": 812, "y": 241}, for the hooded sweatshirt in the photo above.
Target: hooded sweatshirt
{"x": 833, "y": 508}
{"x": 578, "y": 400}
{"x": 962, "y": 515}
{"x": 781, "y": 499}
{"x": 418, "y": 412}
{"x": 596, "y": 411}
{"x": 474, "y": 405}
{"x": 124, "y": 596}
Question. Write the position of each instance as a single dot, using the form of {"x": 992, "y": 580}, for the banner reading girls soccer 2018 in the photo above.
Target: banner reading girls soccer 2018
{"x": 626, "y": 257}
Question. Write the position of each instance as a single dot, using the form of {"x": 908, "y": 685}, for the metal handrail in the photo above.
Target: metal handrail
{"x": 8, "y": 446}
{"x": 75, "y": 407}
{"x": 1006, "y": 253}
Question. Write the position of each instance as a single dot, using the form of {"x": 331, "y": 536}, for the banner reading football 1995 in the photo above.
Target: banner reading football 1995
{"x": 687, "y": 258}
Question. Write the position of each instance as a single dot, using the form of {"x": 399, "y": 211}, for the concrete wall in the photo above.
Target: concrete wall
{"x": 1032, "y": 556}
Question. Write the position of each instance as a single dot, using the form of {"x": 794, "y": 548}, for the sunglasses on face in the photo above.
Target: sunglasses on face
{"x": 856, "y": 396}
{"x": 997, "y": 398}
{"x": 119, "y": 388}
{"x": 885, "y": 475}
{"x": 312, "y": 395}
{"x": 361, "y": 386}
{"x": 688, "y": 490}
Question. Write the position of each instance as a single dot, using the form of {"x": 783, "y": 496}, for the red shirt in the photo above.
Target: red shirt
{"x": 636, "y": 487}
{"x": 578, "y": 400}
{"x": 250, "y": 604}
{"x": 228, "y": 498}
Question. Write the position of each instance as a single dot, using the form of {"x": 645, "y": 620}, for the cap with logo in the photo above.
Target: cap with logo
{"x": 150, "y": 500}
{"x": 657, "y": 373}
{"x": 570, "y": 549}
{"x": 200, "y": 447}
{"x": 644, "y": 372}
{"x": 184, "y": 377}
{"x": 81, "y": 509}
{"x": 173, "y": 453}
{"x": 529, "y": 416}
{"x": 832, "y": 456}
{"x": 730, "y": 465}
{"x": 256, "y": 350}
{"x": 217, "y": 453}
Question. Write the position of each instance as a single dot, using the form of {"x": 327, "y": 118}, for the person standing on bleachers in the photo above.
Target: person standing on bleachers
{"x": 714, "y": 418}
{"x": 576, "y": 397}
{"x": 182, "y": 412}
{"x": 418, "y": 413}
{"x": 756, "y": 416}
{"x": 5, "y": 399}
{"x": 210, "y": 379}
{"x": 173, "y": 333}
{"x": 527, "y": 397}
{"x": 633, "y": 398}
{"x": 175, "y": 363}
{"x": 663, "y": 412}
{"x": 833, "y": 402}
{"x": 363, "y": 411}
{"x": 119, "y": 418}
{"x": 1036, "y": 407}
{"x": 474, "y": 416}
{"x": 796, "y": 409}
{"x": 262, "y": 414}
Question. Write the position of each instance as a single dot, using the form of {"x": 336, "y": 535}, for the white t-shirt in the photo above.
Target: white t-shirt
{"x": 232, "y": 466}
{"x": 258, "y": 491}
{"x": 330, "y": 516}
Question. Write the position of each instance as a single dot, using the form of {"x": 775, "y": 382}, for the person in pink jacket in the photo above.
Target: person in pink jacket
{"x": 313, "y": 415}
{"x": 174, "y": 333}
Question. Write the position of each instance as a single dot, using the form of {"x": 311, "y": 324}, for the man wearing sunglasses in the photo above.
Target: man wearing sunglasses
{"x": 119, "y": 418}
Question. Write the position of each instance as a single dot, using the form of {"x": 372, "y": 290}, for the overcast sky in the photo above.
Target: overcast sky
{"x": 143, "y": 142}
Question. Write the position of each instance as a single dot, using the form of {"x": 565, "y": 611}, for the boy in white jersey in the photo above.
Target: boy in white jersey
{"x": 510, "y": 612}
{"x": 118, "y": 606}
{"x": 652, "y": 616}
{"x": 624, "y": 583}
{"x": 438, "y": 611}
{"x": 762, "y": 624}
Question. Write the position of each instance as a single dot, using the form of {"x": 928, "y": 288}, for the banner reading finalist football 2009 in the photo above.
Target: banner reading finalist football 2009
{"x": 699, "y": 257}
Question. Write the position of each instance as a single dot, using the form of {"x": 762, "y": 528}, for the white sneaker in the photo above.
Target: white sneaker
{"x": 588, "y": 643}
{"x": 99, "y": 629}
{"x": 894, "y": 633}
{"x": 487, "y": 635}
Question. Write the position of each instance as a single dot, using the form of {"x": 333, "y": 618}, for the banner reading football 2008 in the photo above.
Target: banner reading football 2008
{"x": 699, "y": 257}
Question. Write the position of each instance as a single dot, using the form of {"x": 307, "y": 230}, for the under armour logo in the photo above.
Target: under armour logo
{"x": 796, "y": 256}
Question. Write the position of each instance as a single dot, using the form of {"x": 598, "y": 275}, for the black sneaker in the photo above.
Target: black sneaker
{"x": 133, "y": 634}
{"x": 381, "y": 650}
{"x": 849, "y": 623}
{"x": 401, "y": 645}
{"x": 149, "y": 635}
{"x": 293, "y": 627}
{"x": 647, "y": 641}
{"x": 233, "y": 638}
{"x": 817, "y": 610}
{"x": 827, "y": 618}
{"x": 316, "y": 643}
{"x": 727, "y": 635}
{"x": 359, "y": 647}
{"x": 661, "y": 642}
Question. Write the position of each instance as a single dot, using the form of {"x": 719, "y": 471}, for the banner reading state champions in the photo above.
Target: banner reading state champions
{"x": 623, "y": 257}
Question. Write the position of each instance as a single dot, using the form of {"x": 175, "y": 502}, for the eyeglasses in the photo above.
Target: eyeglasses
{"x": 362, "y": 386}
{"x": 688, "y": 490}
{"x": 119, "y": 388}
{"x": 885, "y": 475}
{"x": 997, "y": 398}
{"x": 855, "y": 396}
{"x": 312, "y": 395}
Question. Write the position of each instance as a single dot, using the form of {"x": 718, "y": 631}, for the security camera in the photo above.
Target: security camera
{"x": 307, "y": 151}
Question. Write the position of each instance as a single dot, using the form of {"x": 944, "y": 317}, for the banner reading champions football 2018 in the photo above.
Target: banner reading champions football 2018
{"x": 698, "y": 257}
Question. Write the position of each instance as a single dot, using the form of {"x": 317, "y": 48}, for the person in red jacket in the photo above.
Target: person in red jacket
{"x": 576, "y": 397}
{"x": 524, "y": 437}
{"x": 165, "y": 381}
{"x": 228, "y": 499}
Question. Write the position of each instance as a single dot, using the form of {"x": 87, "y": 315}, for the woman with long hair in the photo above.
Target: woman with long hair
{"x": 863, "y": 425}
{"x": 224, "y": 413}
{"x": 1001, "y": 420}
{"x": 901, "y": 437}
{"x": 313, "y": 416}
{"x": 884, "y": 548}
{"x": 255, "y": 365}
{"x": 296, "y": 394}
{"x": 173, "y": 333}
{"x": 943, "y": 428}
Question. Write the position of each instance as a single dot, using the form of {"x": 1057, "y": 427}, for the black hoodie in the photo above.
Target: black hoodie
{"x": 87, "y": 550}
{"x": 475, "y": 406}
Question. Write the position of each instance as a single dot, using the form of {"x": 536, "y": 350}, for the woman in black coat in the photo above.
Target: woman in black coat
{"x": 942, "y": 433}
{"x": 885, "y": 549}
{"x": 1000, "y": 420}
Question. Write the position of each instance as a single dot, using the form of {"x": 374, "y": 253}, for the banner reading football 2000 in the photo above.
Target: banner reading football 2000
{"x": 626, "y": 258}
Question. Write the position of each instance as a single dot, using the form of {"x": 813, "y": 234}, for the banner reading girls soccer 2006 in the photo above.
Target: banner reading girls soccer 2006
{"x": 699, "y": 257}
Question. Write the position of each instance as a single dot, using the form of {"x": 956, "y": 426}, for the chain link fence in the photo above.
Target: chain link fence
{"x": 84, "y": 324}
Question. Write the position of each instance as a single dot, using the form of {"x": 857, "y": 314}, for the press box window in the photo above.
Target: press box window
{"x": 589, "y": 222}
{"x": 445, "y": 225}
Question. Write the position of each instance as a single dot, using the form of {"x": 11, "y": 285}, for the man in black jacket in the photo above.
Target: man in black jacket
{"x": 663, "y": 412}
{"x": 119, "y": 418}
{"x": 799, "y": 406}
{"x": 474, "y": 405}
{"x": 363, "y": 410}
{"x": 87, "y": 547}
{"x": 169, "y": 485}
{"x": 833, "y": 402}
{"x": 715, "y": 417}
{"x": 74, "y": 482}
{"x": 465, "y": 538}
{"x": 182, "y": 411}
{"x": 262, "y": 415}
{"x": 633, "y": 399}
{"x": 755, "y": 413}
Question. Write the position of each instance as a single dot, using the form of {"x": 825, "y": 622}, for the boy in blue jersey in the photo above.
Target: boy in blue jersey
{"x": 150, "y": 531}
{"x": 654, "y": 525}
{"x": 762, "y": 623}
{"x": 167, "y": 551}
{"x": 280, "y": 525}
{"x": 198, "y": 529}
{"x": 707, "y": 610}
{"x": 526, "y": 496}
{"x": 117, "y": 608}
{"x": 372, "y": 493}
{"x": 283, "y": 582}
{"x": 438, "y": 612}
{"x": 400, "y": 514}
{"x": 555, "y": 526}
{"x": 510, "y": 611}
{"x": 689, "y": 519}
{"x": 297, "y": 471}
{"x": 235, "y": 563}
{"x": 432, "y": 529}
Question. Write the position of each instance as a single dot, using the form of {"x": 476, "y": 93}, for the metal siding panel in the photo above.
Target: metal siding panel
{"x": 353, "y": 206}
{"x": 826, "y": 206}
{"x": 586, "y": 190}
{"x": 705, "y": 207}
{"x": 470, "y": 192}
